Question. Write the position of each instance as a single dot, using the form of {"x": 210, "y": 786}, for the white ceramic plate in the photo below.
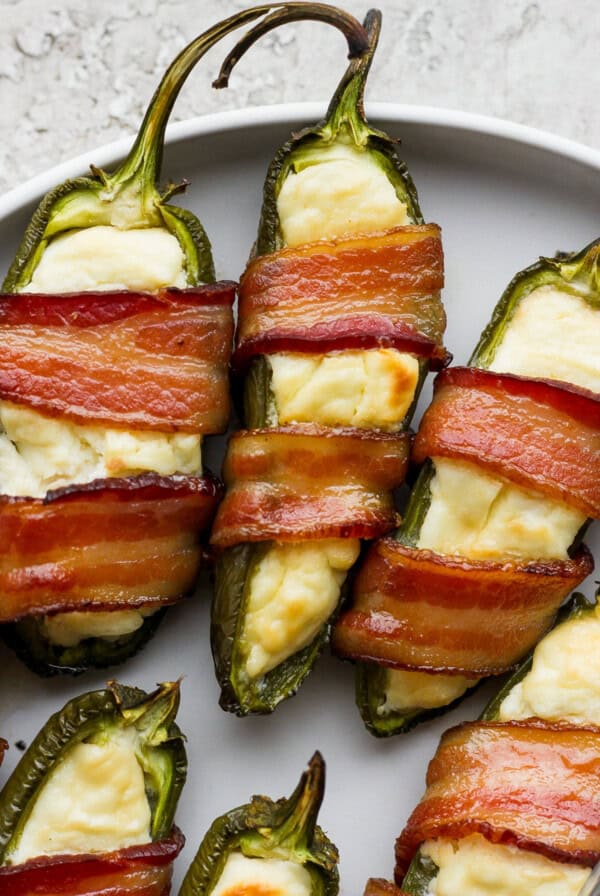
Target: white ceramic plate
{"x": 504, "y": 194}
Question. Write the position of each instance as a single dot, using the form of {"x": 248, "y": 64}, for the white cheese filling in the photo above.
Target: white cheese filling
{"x": 370, "y": 389}
{"x": 554, "y": 335}
{"x": 70, "y": 629}
{"x": 104, "y": 257}
{"x": 405, "y": 690}
{"x": 474, "y": 867}
{"x": 243, "y": 876}
{"x": 564, "y": 680}
{"x": 484, "y": 517}
{"x": 39, "y": 453}
{"x": 293, "y": 591}
{"x": 93, "y": 801}
{"x": 340, "y": 190}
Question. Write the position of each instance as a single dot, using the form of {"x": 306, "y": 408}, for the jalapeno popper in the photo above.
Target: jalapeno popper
{"x": 269, "y": 847}
{"x": 340, "y": 318}
{"x": 491, "y": 542}
{"x": 114, "y": 366}
{"x": 89, "y": 809}
{"x": 512, "y": 800}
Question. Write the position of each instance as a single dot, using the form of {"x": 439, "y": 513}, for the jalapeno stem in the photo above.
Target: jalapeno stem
{"x": 353, "y": 31}
{"x": 581, "y": 269}
{"x": 143, "y": 163}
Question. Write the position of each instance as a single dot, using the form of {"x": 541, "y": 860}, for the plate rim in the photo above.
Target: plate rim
{"x": 279, "y": 114}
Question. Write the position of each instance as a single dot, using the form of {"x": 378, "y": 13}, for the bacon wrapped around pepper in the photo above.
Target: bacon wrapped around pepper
{"x": 114, "y": 367}
{"x": 513, "y": 801}
{"x": 490, "y": 544}
{"x": 340, "y": 318}
{"x": 112, "y": 754}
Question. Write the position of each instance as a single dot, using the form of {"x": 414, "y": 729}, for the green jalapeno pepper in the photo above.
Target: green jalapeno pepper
{"x": 284, "y": 832}
{"x": 119, "y": 714}
{"x": 345, "y": 120}
{"x": 130, "y": 197}
{"x": 423, "y": 869}
{"x": 577, "y": 274}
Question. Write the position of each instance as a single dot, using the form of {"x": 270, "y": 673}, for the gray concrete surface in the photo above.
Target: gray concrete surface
{"x": 76, "y": 74}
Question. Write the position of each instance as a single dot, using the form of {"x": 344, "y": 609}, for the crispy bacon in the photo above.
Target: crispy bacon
{"x": 376, "y": 886}
{"x": 307, "y": 482}
{"x": 365, "y": 291}
{"x": 3, "y": 749}
{"x": 537, "y": 433}
{"x": 114, "y": 543}
{"x": 144, "y": 870}
{"x": 130, "y": 360}
{"x": 532, "y": 784}
{"x": 415, "y": 609}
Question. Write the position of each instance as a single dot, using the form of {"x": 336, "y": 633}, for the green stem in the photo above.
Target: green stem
{"x": 295, "y": 12}
{"x": 347, "y": 104}
{"x": 144, "y": 160}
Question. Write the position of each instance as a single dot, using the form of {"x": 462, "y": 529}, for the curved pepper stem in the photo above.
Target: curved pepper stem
{"x": 355, "y": 35}
{"x": 347, "y": 106}
{"x": 143, "y": 163}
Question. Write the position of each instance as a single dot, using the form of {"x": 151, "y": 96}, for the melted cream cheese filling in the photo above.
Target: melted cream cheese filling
{"x": 39, "y": 453}
{"x": 243, "y": 876}
{"x": 564, "y": 680}
{"x": 293, "y": 591}
{"x": 406, "y": 690}
{"x": 554, "y": 335}
{"x": 484, "y": 517}
{"x": 104, "y": 257}
{"x": 370, "y": 389}
{"x": 340, "y": 190}
{"x": 474, "y": 867}
{"x": 94, "y": 801}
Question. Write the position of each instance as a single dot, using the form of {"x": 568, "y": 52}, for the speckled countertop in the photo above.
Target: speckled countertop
{"x": 76, "y": 74}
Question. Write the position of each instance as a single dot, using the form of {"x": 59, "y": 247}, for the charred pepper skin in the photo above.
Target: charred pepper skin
{"x": 561, "y": 271}
{"x": 91, "y": 716}
{"x": 88, "y": 201}
{"x": 423, "y": 870}
{"x": 235, "y": 565}
{"x": 263, "y": 828}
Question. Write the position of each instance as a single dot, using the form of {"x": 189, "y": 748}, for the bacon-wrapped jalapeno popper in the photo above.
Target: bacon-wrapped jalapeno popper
{"x": 114, "y": 366}
{"x": 340, "y": 318}
{"x": 89, "y": 809}
{"x": 269, "y": 847}
{"x": 491, "y": 542}
{"x": 512, "y": 800}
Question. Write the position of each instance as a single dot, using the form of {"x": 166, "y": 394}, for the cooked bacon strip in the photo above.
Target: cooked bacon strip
{"x": 376, "y": 886}
{"x": 144, "y": 870}
{"x": 114, "y": 543}
{"x": 3, "y": 749}
{"x": 124, "y": 359}
{"x": 309, "y": 482}
{"x": 533, "y": 784}
{"x": 363, "y": 291}
{"x": 536, "y": 433}
{"x": 415, "y": 609}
